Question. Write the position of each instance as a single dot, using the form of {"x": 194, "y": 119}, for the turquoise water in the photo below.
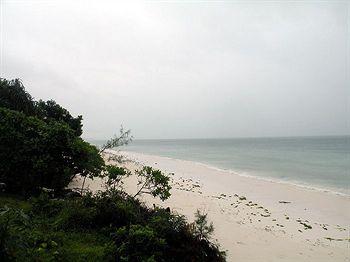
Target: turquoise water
{"x": 320, "y": 162}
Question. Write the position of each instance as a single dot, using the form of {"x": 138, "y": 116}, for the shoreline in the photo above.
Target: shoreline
{"x": 280, "y": 222}
{"x": 300, "y": 184}
{"x": 255, "y": 211}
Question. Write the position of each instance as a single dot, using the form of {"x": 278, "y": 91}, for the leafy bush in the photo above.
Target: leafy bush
{"x": 138, "y": 243}
{"x": 107, "y": 226}
{"x": 115, "y": 176}
{"x": 10, "y": 220}
{"x": 43, "y": 205}
{"x": 33, "y": 153}
{"x": 153, "y": 182}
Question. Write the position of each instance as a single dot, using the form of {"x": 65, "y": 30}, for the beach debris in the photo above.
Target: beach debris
{"x": 267, "y": 228}
{"x": 242, "y": 198}
{"x": 284, "y": 202}
{"x": 306, "y": 226}
{"x": 337, "y": 239}
{"x": 322, "y": 226}
{"x": 340, "y": 228}
{"x": 218, "y": 197}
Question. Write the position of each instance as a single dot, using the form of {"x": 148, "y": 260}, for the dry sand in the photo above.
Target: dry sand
{"x": 254, "y": 219}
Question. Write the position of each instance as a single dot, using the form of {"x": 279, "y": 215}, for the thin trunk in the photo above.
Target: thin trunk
{"x": 82, "y": 186}
{"x": 138, "y": 192}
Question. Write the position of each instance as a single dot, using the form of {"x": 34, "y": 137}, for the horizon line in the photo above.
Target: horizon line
{"x": 237, "y": 137}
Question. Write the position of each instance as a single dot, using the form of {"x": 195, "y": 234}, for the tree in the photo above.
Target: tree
{"x": 34, "y": 153}
{"x": 124, "y": 138}
{"x": 153, "y": 182}
{"x": 40, "y": 143}
{"x": 13, "y": 96}
{"x": 50, "y": 110}
{"x": 88, "y": 163}
{"x": 202, "y": 229}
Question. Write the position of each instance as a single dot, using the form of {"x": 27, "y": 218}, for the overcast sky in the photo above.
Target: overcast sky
{"x": 185, "y": 70}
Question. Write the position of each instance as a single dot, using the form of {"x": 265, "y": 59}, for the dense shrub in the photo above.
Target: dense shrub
{"x": 33, "y": 153}
{"x": 134, "y": 226}
{"x": 139, "y": 243}
{"x": 108, "y": 226}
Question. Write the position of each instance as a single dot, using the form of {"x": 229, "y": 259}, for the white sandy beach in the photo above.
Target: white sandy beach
{"x": 254, "y": 219}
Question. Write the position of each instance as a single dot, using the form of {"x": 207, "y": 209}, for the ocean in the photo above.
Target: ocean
{"x": 318, "y": 162}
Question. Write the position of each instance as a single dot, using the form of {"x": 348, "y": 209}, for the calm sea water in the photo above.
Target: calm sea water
{"x": 320, "y": 162}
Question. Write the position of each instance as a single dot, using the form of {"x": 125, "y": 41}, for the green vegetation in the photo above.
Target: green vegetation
{"x": 153, "y": 182}
{"x": 203, "y": 230}
{"x": 40, "y": 220}
{"x": 40, "y": 143}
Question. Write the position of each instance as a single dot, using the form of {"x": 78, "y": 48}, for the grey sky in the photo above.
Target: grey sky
{"x": 184, "y": 70}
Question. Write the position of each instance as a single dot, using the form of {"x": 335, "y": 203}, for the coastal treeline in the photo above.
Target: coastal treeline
{"x": 41, "y": 152}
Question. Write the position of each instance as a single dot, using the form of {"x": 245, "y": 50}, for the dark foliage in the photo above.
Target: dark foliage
{"x": 13, "y": 96}
{"x": 33, "y": 154}
{"x": 40, "y": 143}
{"x": 50, "y": 110}
{"x": 118, "y": 228}
{"x": 154, "y": 182}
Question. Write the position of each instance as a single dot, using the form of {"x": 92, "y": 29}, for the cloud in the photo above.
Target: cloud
{"x": 175, "y": 70}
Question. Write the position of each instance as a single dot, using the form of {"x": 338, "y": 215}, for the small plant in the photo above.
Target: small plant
{"x": 153, "y": 182}
{"x": 115, "y": 176}
{"x": 11, "y": 220}
{"x": 202, "y": 229}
